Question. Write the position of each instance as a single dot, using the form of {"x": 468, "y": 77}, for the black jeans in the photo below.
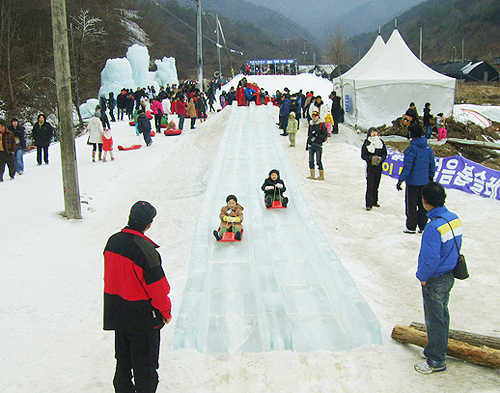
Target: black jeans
{"x": 7, "y": 158}
{"x": 372, "y": 182}
{"x": 45, "y": 150}
{"x": 138, "y": 352}
{"x": 415, "y": 212}
{"x": 158, "y": 117}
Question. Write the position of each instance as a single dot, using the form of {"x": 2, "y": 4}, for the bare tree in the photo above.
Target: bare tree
{"x": 8, "y": 30}
{"x": 85, "y": 37}
{"x": 336, "y": 51}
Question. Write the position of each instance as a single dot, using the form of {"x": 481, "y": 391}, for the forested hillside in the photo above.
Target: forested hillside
{"x": 444, "y": 24}
{"x": 101, "y": 30}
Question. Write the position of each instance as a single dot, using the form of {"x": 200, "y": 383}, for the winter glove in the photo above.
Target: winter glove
{"x": 376, "y": 160}
{"x": 398, "y": 186}
{"x": 279, "y": 185}
{"x": 269, "y": 187}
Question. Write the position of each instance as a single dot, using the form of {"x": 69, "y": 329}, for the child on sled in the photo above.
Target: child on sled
{"x": 274, "y": 188}
{"x": 231, "y": 217}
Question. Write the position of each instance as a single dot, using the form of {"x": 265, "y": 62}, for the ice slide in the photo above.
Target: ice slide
{"x": 282, "y": 287}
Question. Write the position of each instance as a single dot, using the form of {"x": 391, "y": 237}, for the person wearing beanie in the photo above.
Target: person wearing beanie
{"x": 374, "y": 153}
{"x": 107, "y": 145}
{"x": 136, "y": 302}
{"x": 418, "y": 169}
{"x": 316, "y": 135}
{"x": 96, "y": 132}
{"x": 274, "y": 188}
{"x": 231, "y": 217}
{"x": 144, "y": 127}
{"x": 292, "y": 128}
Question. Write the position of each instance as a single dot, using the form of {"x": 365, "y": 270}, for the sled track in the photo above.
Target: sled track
{"x": 282, "y": 287}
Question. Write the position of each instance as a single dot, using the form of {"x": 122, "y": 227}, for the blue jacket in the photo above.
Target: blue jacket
{"x": 285, "y": 107}
{"x": 438, "y": 251}
{"x": 419, "y": 165}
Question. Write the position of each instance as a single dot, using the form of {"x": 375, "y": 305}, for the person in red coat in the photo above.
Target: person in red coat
{"x": 136, "y": 302}
{"x": 181, "y": 111}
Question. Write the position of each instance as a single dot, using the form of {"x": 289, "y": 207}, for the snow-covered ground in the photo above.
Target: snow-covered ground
{"x": 51, "y": 336}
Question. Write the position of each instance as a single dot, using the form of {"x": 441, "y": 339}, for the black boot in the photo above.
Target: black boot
{"x": 285, "y": 201}
{"x": 216, "y": 234}
{"x": 238, "y": 236}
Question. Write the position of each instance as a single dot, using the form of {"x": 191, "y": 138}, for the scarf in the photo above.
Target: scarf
{"x": 374, "y": 143}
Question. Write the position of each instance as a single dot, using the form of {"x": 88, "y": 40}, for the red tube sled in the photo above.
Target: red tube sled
{"x": 172, "y": 132}
{"x": 131, "y": 123}
{"x": 153, "y": 133}
{"x": 133, "y": 147}
{"x": 230, "y": 237}
{"x": 276, "y": 205}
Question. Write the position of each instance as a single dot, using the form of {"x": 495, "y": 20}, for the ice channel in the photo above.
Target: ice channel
{"x": 282, "y": 287}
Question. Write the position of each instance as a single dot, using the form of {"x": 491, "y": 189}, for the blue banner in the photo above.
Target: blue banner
{"x": 278, "y": 61}
{"x": 453, "y": 172}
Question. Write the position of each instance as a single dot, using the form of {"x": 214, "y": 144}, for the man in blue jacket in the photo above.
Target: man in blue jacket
{"x": 284, "y": 113}
{"x": 438, "y": 257}
{"x": 418, "y": 169}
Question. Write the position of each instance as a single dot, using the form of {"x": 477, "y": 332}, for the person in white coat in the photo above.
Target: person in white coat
{"x": 317, "y": 105}
{"x": 96, "y": 133}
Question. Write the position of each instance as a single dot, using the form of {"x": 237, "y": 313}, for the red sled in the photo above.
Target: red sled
{"x": 276, "y": 205}
{"x": 230, "y": 237}
{"x": 133, "y": 147}
{"x": 153, "y": 133}
{"x": 172, "y": 132}
{"x": 163, "y": 126}
{"x": 131, "y": 123}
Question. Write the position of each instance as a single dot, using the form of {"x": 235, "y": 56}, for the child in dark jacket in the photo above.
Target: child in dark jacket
{"x": 274, "y": 188}
{"x": 231, "y": 217}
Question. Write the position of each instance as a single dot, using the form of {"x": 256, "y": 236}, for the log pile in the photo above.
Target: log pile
{"x": 473, "y": 348}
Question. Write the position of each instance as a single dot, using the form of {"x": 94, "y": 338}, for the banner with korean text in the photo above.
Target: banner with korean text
{"x": 453, "y": 172}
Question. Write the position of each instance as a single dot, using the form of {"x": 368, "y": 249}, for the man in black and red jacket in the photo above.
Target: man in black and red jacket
{"x": 136, "y": 302}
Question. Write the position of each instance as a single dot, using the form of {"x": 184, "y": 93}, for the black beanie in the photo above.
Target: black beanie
{"x": 415, "y": 131}
{"x": 141, "y": 214}
{"x": 274, "y": 171}
{"x": 229, "y": 197}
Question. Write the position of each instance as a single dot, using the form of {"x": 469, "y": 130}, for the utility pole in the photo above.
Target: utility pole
{"x": 304, "y": 52}
{"x": 454, "y": 51}
{"x": 218, "y": 44}
{"x": 65, "y": 110}
{"x": 420, "y": 57}
{"x": 199, "y": 45}
{"x": 463, "y": 49}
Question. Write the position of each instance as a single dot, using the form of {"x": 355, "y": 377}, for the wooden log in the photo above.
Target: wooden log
{"x": 470, "y": 338}
{"x": 468, "y": 142}
{"x": 483, "y": 356}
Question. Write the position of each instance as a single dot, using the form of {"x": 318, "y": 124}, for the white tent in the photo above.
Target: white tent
{"x": 381, "y": 89}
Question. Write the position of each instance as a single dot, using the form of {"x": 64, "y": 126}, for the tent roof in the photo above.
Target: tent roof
{"x": 365, "y": 63}
{"x": 397, "y": 64}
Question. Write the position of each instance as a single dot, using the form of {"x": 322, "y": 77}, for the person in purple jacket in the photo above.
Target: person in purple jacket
{"x": 418, "y": 169}
{"x": 439, "y": 250}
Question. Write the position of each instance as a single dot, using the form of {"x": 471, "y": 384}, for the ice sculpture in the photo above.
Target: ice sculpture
{"x": 282, "y": 287}
{"x": 166, "y": 71}
{"x": 116, "y": 75}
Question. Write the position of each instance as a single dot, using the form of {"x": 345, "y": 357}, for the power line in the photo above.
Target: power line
{"x": 191, "y": 27}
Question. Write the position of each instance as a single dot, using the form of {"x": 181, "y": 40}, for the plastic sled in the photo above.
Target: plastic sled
{"x": 131, "y": 123}
{"x": 275, "y": 205}
{"x": 172, "y": 132}
{"x": 230, "y": 237}
{"x": 133, "y": 147}
{"x": 153, "y": 133}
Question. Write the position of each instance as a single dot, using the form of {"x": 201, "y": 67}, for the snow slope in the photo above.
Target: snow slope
{"x": 51, "y": 336}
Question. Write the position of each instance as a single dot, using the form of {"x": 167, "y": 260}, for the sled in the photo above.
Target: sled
{"x": 275, "y": 205}
{"x": 153, "y": 133}
{"x": 172, "y": 132}
{"x": 133, "y": 147}
{"x": 230, "y": 237}
{"x": 131, "y": 123}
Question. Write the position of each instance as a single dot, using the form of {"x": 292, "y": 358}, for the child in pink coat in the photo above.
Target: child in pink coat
{"x": 107, "y": 145}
